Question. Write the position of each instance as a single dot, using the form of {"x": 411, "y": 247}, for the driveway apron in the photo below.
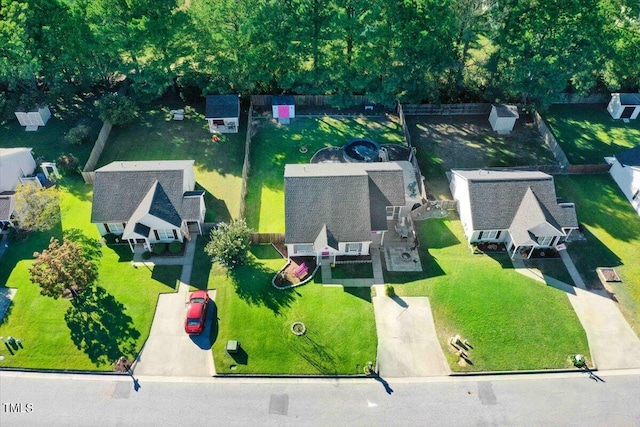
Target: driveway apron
{"x": 169, "y": 350}
{"x": 407, "y": 342}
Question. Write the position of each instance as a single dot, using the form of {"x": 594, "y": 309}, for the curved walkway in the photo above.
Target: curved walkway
{"x": 612, "y": 342}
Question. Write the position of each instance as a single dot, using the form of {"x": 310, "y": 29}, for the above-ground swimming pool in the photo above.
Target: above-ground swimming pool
{"x": 361, "y": 150}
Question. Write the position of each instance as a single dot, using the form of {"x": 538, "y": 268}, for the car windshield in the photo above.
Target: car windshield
{"x": 193, "y": 322}
{"x": 197, "y": 300}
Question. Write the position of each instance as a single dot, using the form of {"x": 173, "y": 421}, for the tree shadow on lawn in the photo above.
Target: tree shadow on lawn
{"x": 166, "y": 274}
{"x": 216, "y": 208}
{"x": 91, "y": 248}
{"x": 252, "y": 283}
{"x": 430, "y": 268}
{"x": 589, "y": 255}
{"x": 312, "y": 349}
{"x": 100, "y": 327}
{"x": 74, "y": 184}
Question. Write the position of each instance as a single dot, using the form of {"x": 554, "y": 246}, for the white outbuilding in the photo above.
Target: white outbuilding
{"x": 503, "y": 118}
{"x": 223, "y": 113}
{"x": 625, "y": 106}
{"x": 283, "y": 108}
{"x": 34, "y": 119}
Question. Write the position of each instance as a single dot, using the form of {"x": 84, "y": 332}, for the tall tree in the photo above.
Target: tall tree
{"x": 62, "y": 269}
{"x": 229, "y": 243}
{"x": 37, "y": 208}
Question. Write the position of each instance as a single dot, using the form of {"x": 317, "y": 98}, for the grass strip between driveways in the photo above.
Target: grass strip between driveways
{"x": 512, "y": 322}
{"x": 612, "y": 229}
{"x": 340, "y": 333}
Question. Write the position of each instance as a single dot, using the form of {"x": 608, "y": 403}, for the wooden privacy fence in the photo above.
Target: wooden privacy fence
{"x": 445, "y": 109}
{"x": 246, "y": 166}
{"x": 403, "y": 123}
{"x": 588, "y": 169}
{"x": 550, "y": 140}
{"x": 316, "y": 100}
{"x": 264, "y": 238}
{"x": 88, "y": 173}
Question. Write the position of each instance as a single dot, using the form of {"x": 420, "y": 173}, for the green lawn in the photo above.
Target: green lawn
{"x": 116, "y": 319}
{"x": 587, "y": 133}
{"x": 47, "y": 142}
{"x": 612, "y": 228}
{"x": 352, "y": 271}
{"x": 218, "y": 165}
{"x": 512, "y": 322}
{"x": 274, "y": 146}
{"x": 340, "y": 325}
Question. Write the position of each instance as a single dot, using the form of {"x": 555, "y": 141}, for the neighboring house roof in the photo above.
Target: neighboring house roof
{"x": 15, "y": 163}
{"x": 629, "y": 157}
{"x": 7, "y": 206}
{"x": 339, "y": 202}
{"x": 222, "y": 106}
{"x": 283, "y": 100}
{"x": 629, "y": 98}
{"x": 126, "y": 191}
{"x": 523, "y": 202}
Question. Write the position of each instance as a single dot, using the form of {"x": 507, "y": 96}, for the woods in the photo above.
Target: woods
{"x": 433, "y": 51}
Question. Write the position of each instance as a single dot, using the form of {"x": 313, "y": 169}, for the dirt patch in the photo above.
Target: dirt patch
{"x": 469, "y": 142}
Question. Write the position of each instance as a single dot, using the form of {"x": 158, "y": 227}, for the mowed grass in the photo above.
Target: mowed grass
{"x": 340, "y": 325}
{"x": 276, "y": 145}
{"x": 512, "y": 322}
{"x": 218, "y": 165}
{"x": 118, "y": 324}
{"x": 587, "y": 133}
{"x": 47, "y": 142}
{"x": 612, "y": 229}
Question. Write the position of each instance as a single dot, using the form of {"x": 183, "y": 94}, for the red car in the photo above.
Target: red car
{"x": 196, "y": 312}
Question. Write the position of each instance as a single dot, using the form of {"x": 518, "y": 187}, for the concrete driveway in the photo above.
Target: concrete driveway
{"x": 407, "y": 341}
{"x": 169, "y": 351}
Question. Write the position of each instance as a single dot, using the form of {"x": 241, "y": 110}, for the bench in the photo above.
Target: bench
{"x": 301, "y": 271}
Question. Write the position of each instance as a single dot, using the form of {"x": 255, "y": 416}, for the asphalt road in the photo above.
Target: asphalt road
{"x": 525, "y": 400}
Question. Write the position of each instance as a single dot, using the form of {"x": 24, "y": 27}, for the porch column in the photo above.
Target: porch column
{"x": 130, "y": 245}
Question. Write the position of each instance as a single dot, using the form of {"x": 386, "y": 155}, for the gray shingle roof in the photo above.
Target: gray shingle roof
{"x": 629, "y": 157}
{"x": 350, "y": 199}
{"x": 503, "y": 110}
{"x": 222, "y": 106}
{"x": 497, "y": 196}
{"x": 121, "y": 187}
{"x": 6, "y": 208}
{"x": 630, "y": 98}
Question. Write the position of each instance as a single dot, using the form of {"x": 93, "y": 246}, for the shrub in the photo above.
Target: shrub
{"x": 159, "y": 248}
{"x": 116, "y": 109}
{"x": 229, "y": 243}
{"x": 78, "y": 135}
{"x": 390, "y": 291}
{"x": 146, "y": 255}
{"x": 68, "y": 163}
{"x": 175, "y": 247}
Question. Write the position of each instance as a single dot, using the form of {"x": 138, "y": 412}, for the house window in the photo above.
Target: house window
{"x": 302, "y": 248}
{"x": 546, "y": 241}
{"x": 489, "y": 234}
{"x": 165, "y": 234}
{"x": 354, "y": 247}
{"x": 115, "y": 228}
{"x": 636, "y": 195}
{"x": 218, "y": 122}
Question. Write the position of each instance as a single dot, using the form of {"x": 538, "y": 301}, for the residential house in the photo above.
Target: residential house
{"x": 625, "y": 170}
{"x": 336, "y": 209}
{"x": 223, "y": 113}
{"x": 517, "y": 208}
{"x": 16, "y": 167}
{"x": 148, "y": 202}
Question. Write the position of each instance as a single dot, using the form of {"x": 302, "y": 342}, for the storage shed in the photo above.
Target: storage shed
{"x": 283, "y": 108}
{"x": 223, "y": 113}
{"x": 34, "y": 119}
{"x": 624, "y": 105}
{"x": 503, "y": 118}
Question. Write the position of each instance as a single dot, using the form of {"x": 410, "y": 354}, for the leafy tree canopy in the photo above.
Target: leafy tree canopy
{"x": 37, "y": 208}
{"x": 229, "y": 243}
